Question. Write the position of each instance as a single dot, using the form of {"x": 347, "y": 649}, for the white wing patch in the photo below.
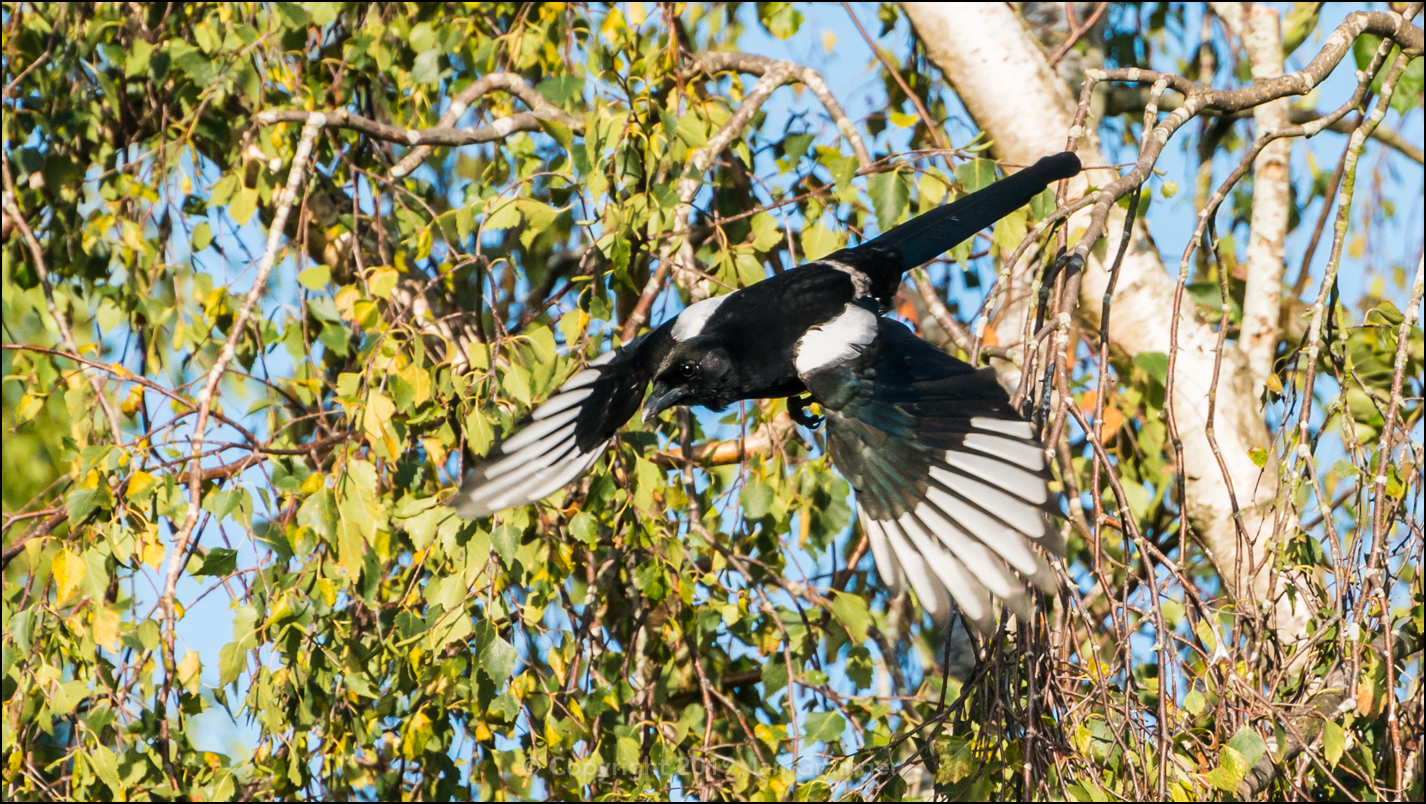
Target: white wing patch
{"x": 837, "y": 340}
{"x": 691, "y": 321}
{"x": 540, "y": 459}
{"x": 969, "y": 538}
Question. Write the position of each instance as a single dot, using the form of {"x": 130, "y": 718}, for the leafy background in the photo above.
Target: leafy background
{"x": 659, "y": 629}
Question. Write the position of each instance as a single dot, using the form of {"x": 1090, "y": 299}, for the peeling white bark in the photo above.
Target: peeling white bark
{"x": 1004, "y": 79}
{"x": 1259, "y": 28}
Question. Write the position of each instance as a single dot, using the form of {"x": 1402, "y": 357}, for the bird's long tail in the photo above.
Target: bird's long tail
{"x": 927, "y": 236}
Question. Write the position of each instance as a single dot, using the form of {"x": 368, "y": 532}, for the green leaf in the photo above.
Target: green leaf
{"x": 315, "y": 278}
{"x": 202, "y": 237}
{"x": 137, "y": 62}
{"x": 506, "y": 540}
{"x": 859, "y": 666}
{"x": 1087, "y": 790}
{"x": 957, "y": 761}
{"x": 823, "y": 726}
{"x": 1009, "y": 231}
{"x": 585, "y": 528}
{"x": 106, "y": 766}
{"x": 890, "y": 197}
{"x": 1230, "y": 771}
{"x": 757, "y": 498}
{"x": 359, "y": 514}
{"x": 478, "y": 432}
{"x": 774, "y": 675}
{"x": 1334, "y": 743}
{"x": 427, "y": 67}
{"x": 83, "y": 502}
{"x": 516, "y": 383}
{"x": 852, "y": 613}
{"x": 693, "y": 131}
{"x": 780, "y": 19}
{"x": 977, "y": 174}
{"x": 220, "y": 561}
{"x": 818, "y": 242}
{"x": 319, "y": 512}
{"x": 505, "y": 216}
{"x": 561, "y": 88}
{"x": 1298, "y": 25}
{"x": 293, "y": 16}
{"x": 1193, "y": 702}
{"x": 1154, "y": 364}
{"x": 496, "y": 657}
{"x": 1248, "y": 743}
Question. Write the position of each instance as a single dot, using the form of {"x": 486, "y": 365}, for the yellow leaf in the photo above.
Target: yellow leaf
{"x": 381, "y": 282}
{"x": 190, "y": 671}
{"x": 378, "y": 413}
{"x": 313, "y": 483}
{"x": 68, "y": 570}
{"x": 106, "y": 628}
{"x": 435, "y": 451}
{"x": 153, "y": 554}
{"x": 140, "y": 482}
{"x": 557, "y": 665}
{"x": 328, "y": 590}
{"x": 419, "y": 381}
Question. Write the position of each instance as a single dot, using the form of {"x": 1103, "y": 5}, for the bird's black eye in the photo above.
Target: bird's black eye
{"x": 688, "y": 370}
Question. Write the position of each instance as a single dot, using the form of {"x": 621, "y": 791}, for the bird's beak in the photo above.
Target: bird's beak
{"x": 660, "y": 399}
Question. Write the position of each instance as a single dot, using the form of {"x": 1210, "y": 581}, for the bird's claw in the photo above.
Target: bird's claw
{"x": 797, "y": 409}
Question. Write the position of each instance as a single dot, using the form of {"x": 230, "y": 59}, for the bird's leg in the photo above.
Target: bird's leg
{"x": 797, "y": 409}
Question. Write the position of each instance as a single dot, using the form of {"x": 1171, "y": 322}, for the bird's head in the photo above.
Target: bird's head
{"x": 695, "y": 372}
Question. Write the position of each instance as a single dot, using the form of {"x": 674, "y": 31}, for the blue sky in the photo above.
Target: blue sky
{"x": 850, "y": 70}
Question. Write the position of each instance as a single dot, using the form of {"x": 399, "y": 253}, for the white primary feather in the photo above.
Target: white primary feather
{"x": 1011, "y": 427}
{"x": 837, "y": 340}
{"x": 559, "y": 476}
{"x": 984, "y": 566}
{"x": 545, "y": 482}
{"x": 537, "y": 431}
{"x": 971, "y": 591}
{"x": 691, "y": 321}
{"x": 1023, "y": 484}
{"x": 1020, "y": 515}
{"x": 934, "y": 597}
{"x": 518, "y": 472}
{"x": 581, "y": 379}
{"x": 1018, "y": 452}
{"x": 561, "y": 401}
{"x": 1008, "y": 544}
{"x": 886, "y": 565}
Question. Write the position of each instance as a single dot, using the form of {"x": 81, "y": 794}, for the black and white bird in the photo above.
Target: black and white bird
{"x": 950, "y": 481}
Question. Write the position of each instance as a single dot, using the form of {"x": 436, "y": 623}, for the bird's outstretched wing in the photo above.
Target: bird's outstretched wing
{"x": 567, "y": 434}
{"x": 951, "y": 482}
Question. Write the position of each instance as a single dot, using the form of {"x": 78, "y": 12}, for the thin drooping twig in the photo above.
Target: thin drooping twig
{"x": 204, "y": 400}
{"x": 1199, "y": 99}
{"x": 925, "y": 114}
{"x": 774, "y": 74}
{"x": 1078, "y": 33}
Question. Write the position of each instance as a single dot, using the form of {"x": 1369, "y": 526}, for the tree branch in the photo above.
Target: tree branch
{"x": 310, "y": 130}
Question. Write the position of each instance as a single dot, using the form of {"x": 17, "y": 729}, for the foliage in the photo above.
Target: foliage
{"x": 652, "y": 629}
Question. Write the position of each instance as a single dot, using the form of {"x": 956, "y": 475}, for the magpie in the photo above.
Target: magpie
{"x": 950, "y": 480}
